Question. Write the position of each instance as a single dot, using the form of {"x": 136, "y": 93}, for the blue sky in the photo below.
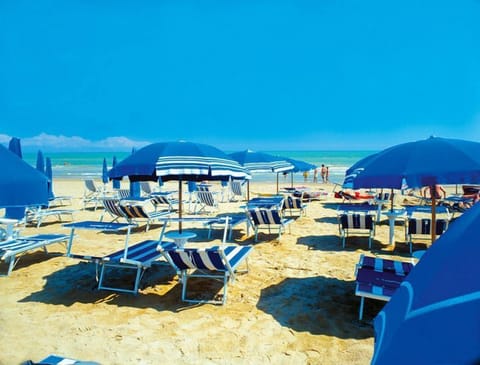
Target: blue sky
{"x": 264, "y": 75}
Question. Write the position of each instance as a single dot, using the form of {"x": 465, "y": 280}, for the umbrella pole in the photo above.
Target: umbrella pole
{"x": 180, "y": 205}
{"x": 291, "y": 178}
{"x": 277, "y": 183}
{"x": 434, "y": 213}
{"x": 391, "y": 200}
{"x": 248, "y": 190}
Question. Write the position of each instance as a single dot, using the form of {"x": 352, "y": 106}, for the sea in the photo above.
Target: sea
{"x": 88, "y": 165}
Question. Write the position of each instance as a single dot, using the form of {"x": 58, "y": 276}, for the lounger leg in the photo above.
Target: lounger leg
{"x": 360, "y": 314}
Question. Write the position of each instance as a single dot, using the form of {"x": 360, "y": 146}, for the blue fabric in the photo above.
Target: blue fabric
{"x": 49, "y": 174}
{"x": 20, "y": 184}
{"x": 434, "y": 316}
{"x": 300, "y": 165}
{"x": 178, "y": 160}
{"x": 40, "y": 162}
{"x": 104, "y": 171}
{"x": 15, "y": 147}
{"x": 416, "y": 164}
{"x": 257, "y": 162}
{"x": 116, "y": 182}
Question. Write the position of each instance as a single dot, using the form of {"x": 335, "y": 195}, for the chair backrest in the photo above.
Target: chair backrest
{"x": 261, "y": 216}
{"x": 203, "y": 259}
{"x": 206, "y": 197}
{"x": 236, "y": 187}
{"x": 123, "y": 193}
{"x": 292, "y": 203}
{"x": 146, "y": 188}
{"x": 384, "y": 196}
{"x": 423, "y": 226}
{"x": 91, "y": 186}
{"x": 112, "y": 205}
{"x": 356, "y": 220}
{"x": 192, "y": 186}
{"x": 136, "y": 209}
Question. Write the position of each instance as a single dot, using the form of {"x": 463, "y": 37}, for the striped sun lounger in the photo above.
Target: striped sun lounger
{"x": 215, "y": 263}
{"x": 61, "y": 360}
{"x": 378, "y": 278}
{"x": 139, "y": 258}
{"x": 12, "y": 250}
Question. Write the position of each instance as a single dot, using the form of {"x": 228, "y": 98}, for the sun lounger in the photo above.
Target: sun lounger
{"x": 266, "y": 218}
{"x": 12, "y": 250}
{"x": 358, "y": 223}
{"x": 213, "y": 263}
{"x": 60, "y": 360}
{"x": 378, "y": 278}
{"x": 219, "y": 222}
{"x": 37, "y": 215}
{"x": 138, "y": 209}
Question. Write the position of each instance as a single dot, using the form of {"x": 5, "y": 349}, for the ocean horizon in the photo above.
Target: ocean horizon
{"x": 88, "y": 165}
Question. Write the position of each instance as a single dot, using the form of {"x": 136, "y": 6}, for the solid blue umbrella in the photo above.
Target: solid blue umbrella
{"x": 15, "y": 146}
{"x": 21, "y": 185}
{"x": 104, "y": 171}
{"x": 182, "y": 161}
{"x": 434, "y": 316}
{"x": 40, "y": 162}
{"x": 115, "y": 182}
{"x": 416, "y": 164}
{"x": 300, "y": 166}
{"x": 49, "y": 174}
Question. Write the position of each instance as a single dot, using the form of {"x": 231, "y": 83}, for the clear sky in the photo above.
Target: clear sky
{"x": 319, "y": 74}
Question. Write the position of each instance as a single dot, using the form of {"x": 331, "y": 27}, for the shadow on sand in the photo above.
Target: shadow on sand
{"x": 328, "y": 307}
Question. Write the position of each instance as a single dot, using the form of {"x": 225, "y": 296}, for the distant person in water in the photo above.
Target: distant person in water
{"x": 315, "y": 172}
{"x": 326, "y": 174}
{"x": 323, "y": 173}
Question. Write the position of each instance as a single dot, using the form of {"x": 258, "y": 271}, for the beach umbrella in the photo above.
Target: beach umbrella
{"x": 182, "y": 161}
{"x": 15, "y": 147}
{"x": 299, "y": 166}
{"x": 434, "y": 317}
{"x": 115, "y": 182}
{"x": 416, "y": 164}
{"x": 260, "y": 162}
{"x": 104, "y": 171}
{"x": 21, "y": 184}
{"x": 49, "y": 174}
{"x": 40, "y": 162}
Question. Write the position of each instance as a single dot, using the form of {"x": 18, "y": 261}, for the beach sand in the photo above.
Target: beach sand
{"x": 296, "y": 305}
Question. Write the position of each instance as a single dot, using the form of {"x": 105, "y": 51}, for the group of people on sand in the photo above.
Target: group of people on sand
{"x": 467, "y": 200}
{"x": 323, "y": 174}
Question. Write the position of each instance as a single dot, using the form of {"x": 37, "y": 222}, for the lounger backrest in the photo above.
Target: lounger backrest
{"x": 160, "y": 199}
{"x": 90, "y": 185}
{"x": 123, "y": 193}
{"x": 112, "y": 205}
{"x": 213, "y": 259}
{"x": 356, "y": 220}
{"x": 145, "y": 186}
{"x": 261, "y": 216}
{"x": 379, "y": 264}
{"x": 384, "y": 196}
{"x": 137, "y": 209}
{"x": 206, "y": 197}
{"x": 236, "y": 187}
{"x": 422, "y": 226}
{"x": 292, "y": 203}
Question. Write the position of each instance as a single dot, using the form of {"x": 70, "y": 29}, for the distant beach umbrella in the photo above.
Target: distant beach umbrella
{"x": 417, "y": 164}
{"x": 49, "y": 174}
{"x": 299, "y": 166}
{"x": 104, "y": 171}
{"x": 115, "y": 182}
{"x": 15, "y": 146}
{"x": 182, "y": 161}
{"x": 21, "y": 185}
{"x": 437, "y": 306}
{"x": 258, "y": 162}
{"x": 40, "y": 162}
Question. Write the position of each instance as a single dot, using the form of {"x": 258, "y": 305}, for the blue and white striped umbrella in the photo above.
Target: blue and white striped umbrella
{"x": 260, "y": 162}
{"x": 178, "y": 161}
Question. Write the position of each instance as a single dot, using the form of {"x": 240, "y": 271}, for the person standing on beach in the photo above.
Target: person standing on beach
{"x": 315, "y": 172}
{"x": 326, "y": 174}
{"x": 305, "y": 176}
{"x": 323, "y": 173}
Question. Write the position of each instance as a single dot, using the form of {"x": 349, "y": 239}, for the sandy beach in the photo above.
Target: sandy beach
{"x": 296, "y": 305}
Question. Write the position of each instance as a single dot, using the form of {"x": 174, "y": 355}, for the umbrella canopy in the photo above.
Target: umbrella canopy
{"x": 436, "y": 307}
{"x": 415, "y": 164}
{"x": 178, "y": 161}
{"x": 20, "y": 184}
{"x": 258, "y": 162}
{"x": 115, "y": 182}
{"x": 104, "y": 171}
{"x": 15, "y": 146}
{"x": 300, "y": 166}
{"x": 40, "y": 162}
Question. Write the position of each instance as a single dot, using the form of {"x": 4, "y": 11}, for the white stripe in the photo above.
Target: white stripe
{"x": 398, "y": 267}
{"x": 185, "y": 257}
{"x": 206, "y": 260}
{"x": 378, "y": 264}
